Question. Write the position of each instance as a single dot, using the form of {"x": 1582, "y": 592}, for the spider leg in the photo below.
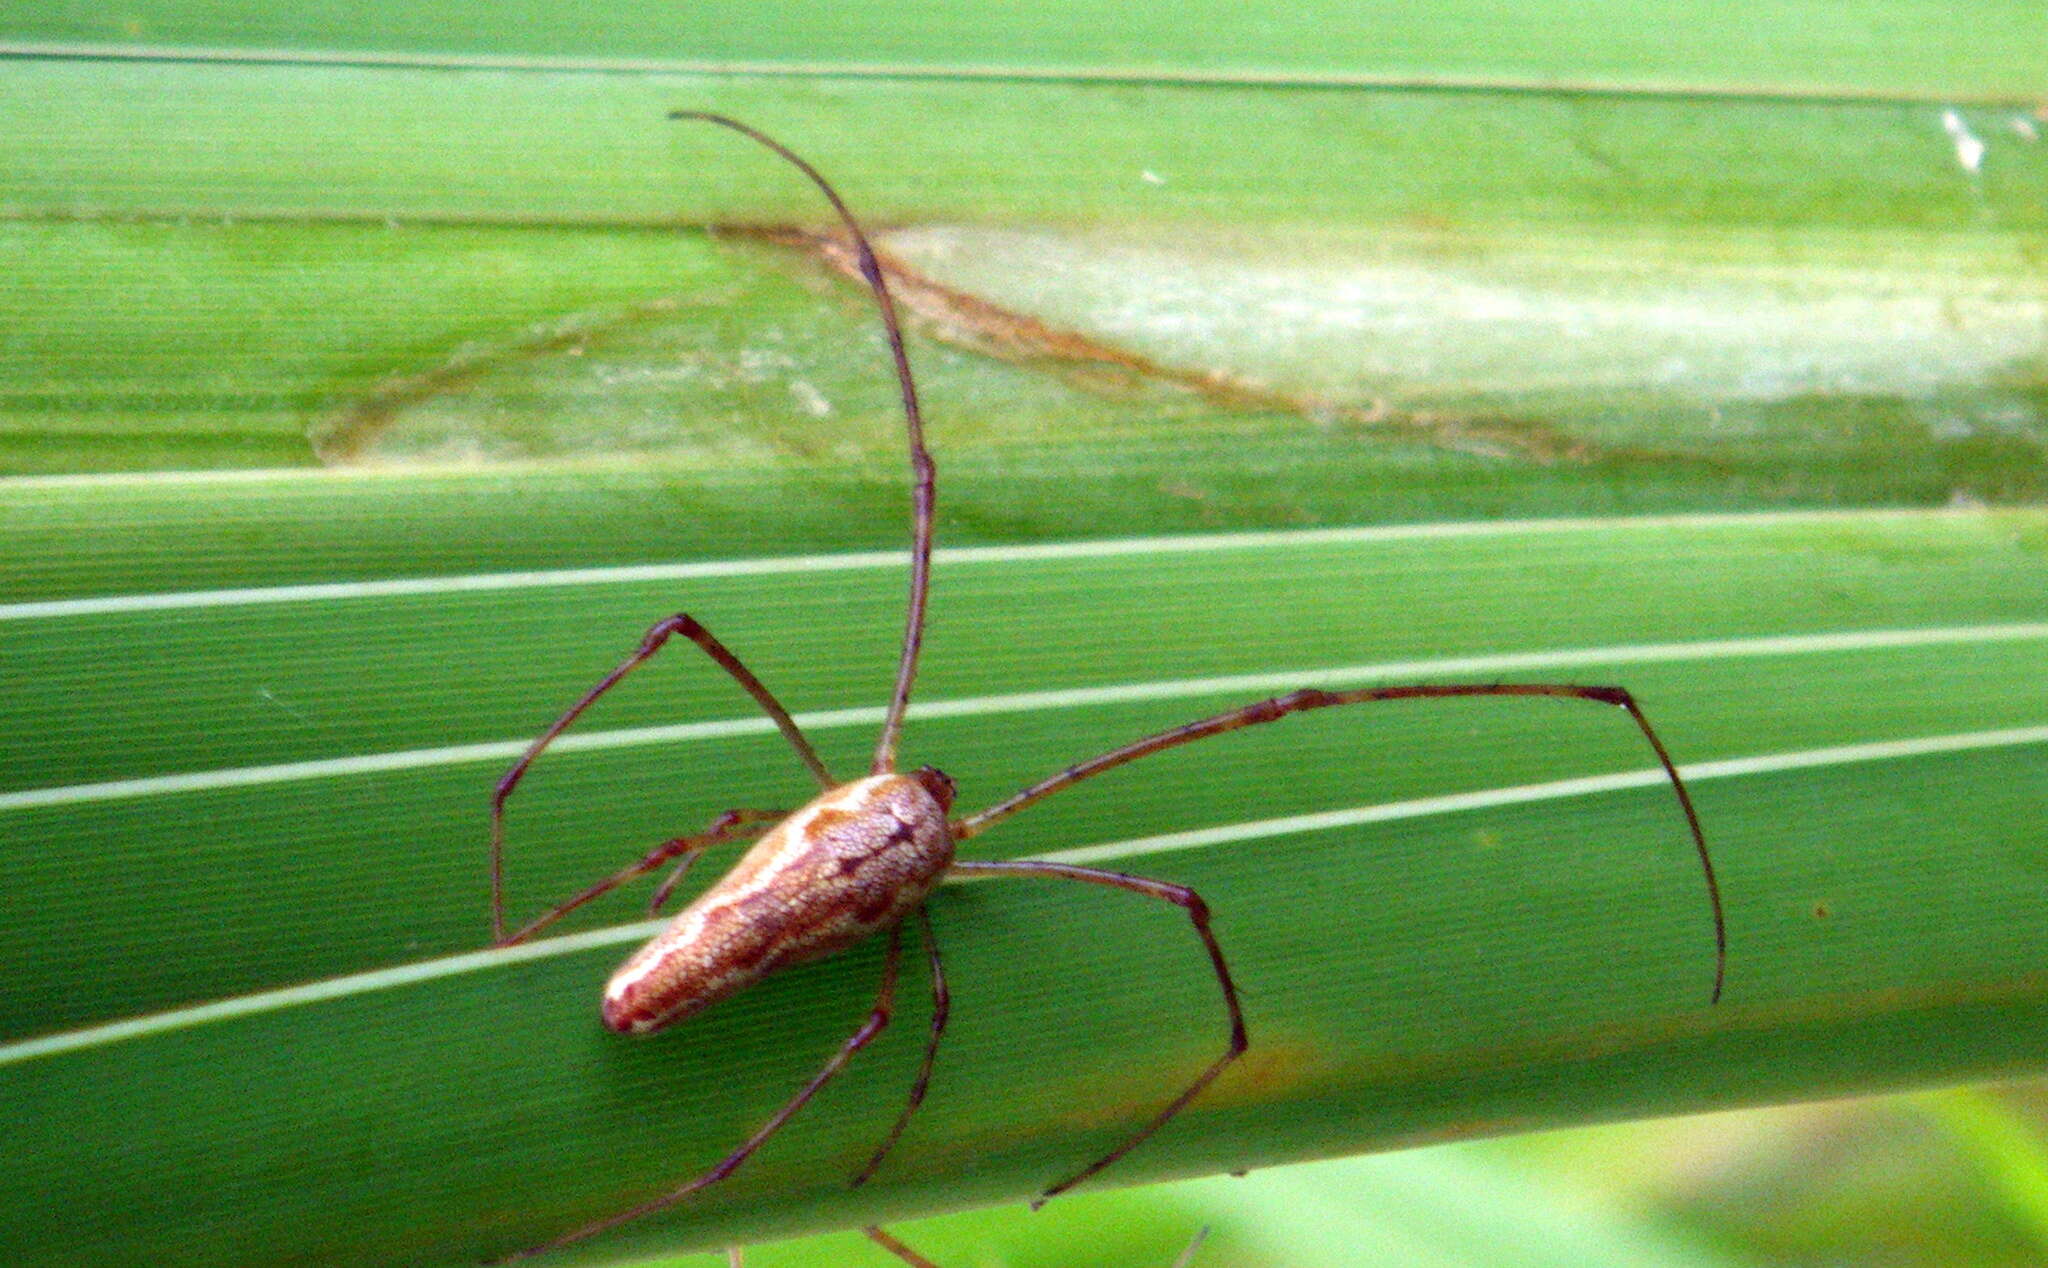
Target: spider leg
{"x": 877, "y": 1021}
{"x": 729, "y": 823}
{"x": 733, "y": 825}
{"x": 688, "y": 626}
{"x": 1198, "y": 912}
{"x": 1188, "y": 1256}
{"x": 1272, "y": 710}
{"x": 667, "y": 888}
{"x": 923, "y": 472}
{"x": 941, "y": 1005}
{"x": 887, "y": 1241}
{"x": 1278, "y": 707}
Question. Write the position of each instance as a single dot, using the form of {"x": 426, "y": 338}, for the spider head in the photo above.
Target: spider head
{"x": 936, "y": 782}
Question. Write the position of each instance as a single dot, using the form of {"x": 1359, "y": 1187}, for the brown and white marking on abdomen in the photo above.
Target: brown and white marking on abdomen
{"x": 854, "y": 861}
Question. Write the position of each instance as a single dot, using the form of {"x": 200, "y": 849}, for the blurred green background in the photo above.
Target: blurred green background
{"x": 437, "y": 292}
{"x": 1949, "y": 1177}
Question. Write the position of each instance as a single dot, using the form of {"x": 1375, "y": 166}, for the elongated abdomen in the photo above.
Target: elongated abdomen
{"x": 856, "y": 860}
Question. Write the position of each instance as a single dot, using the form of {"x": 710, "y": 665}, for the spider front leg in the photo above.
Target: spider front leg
{"x": 1272, "y": 710}
{"x": 1280, "y": 707}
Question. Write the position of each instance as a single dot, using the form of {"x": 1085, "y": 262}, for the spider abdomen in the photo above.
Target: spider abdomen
{"x": 853, "y": 862}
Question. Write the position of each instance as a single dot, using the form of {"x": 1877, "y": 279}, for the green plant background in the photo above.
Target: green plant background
{"x": 319, "y": 297}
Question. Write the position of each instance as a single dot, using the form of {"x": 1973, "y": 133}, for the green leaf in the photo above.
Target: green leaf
{"x": 1508, "y": 966}
{"x": 543, "y": 330}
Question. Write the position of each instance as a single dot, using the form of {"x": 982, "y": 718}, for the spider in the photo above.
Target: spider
{"x": 863, "y": 855}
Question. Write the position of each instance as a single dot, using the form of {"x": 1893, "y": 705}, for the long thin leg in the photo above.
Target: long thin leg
{"x": 1188, "y": 1256}
{"x": 688, "y": 626}
{"x": 877, "y": 1021}
{"x": 733, "y": 825}
{"x": 662, "y": 892}
{"x": 1198, "y": 913}
{"x": 923, "y": 471}
{"x": 887, "y": 1241}
{"x": 942, "y": 1003}
{"x": 1300, "y": 701}
{"x": 667, "y": 887}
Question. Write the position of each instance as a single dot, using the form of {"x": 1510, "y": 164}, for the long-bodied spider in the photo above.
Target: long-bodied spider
{"x": 861, "y": 858}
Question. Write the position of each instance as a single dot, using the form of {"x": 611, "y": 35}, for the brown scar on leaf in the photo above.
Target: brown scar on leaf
{"x": 962, "y": 318}
{"x": 1271, "y": 1070}
{"x": 349, "y": 432}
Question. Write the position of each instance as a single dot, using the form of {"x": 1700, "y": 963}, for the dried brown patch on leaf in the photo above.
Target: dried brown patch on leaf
{"x": 968, "y": 320}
